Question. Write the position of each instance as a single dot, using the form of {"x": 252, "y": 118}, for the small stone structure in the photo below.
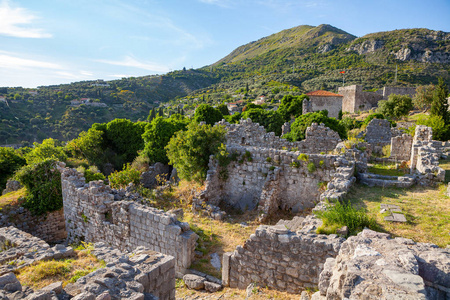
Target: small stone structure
{"x": 425, "y": 157}
{"x": 323, "y": 100}
{"x": 20, "y": 249}
{"x": 401, "y": 147}
{"x": 280, "y": 259}
{"x": 378, "y": 134}
{"x": 49, "y": 227}
{"x": 92, "y": 215}
{"x": 142, "y": 274}
{"x": 318, "y": 138}
{"x": 11, "y": 186}
{"x": 373, "y": 266}
{"x": 356, "y": 100}
{"x": 266, "y": 176}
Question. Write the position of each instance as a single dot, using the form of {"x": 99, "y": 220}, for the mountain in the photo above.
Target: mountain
{"x": 293, "y": 61}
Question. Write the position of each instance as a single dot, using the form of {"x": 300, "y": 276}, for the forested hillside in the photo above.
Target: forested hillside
{"x": 293, "y": 61}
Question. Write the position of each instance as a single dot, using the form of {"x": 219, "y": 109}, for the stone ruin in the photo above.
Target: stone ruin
{"x": 92, "y": 215}
{"x": 142, "y": 274}
{"x": 272, "y": 173}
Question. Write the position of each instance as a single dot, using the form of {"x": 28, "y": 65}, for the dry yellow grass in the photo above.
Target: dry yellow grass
{"x": 11, "y": 199}
{"x": 44, "y": 273}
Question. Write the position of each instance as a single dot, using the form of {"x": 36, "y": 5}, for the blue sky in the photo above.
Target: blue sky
{"x": 59, "y": 41}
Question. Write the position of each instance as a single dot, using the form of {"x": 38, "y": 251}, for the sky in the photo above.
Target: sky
{"x": 49, "y": 42}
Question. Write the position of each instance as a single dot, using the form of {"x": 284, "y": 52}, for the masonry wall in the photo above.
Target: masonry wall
{"x": 317, "y": 103}
{"x": 319, "y": 138}
{"x": 356, "y": 100}
{"x": 49, "y": 227}
{"x": 408, "y": 91}
{"x": 279, "y": 259}
{"x": 401, "y": 147}
{"x": 92, "y": 215}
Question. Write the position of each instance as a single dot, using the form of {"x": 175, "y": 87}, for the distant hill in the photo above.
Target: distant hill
{"x": 293, "y": 61}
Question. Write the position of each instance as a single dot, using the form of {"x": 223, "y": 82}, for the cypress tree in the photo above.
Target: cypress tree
{"x": 161, "y": 112}
{"x": 439, "y": 106}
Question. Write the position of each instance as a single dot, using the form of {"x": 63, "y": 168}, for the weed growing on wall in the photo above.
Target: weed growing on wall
{"x": 123, "y": 178}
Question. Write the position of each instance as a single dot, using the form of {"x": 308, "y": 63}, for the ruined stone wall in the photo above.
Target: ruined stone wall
{"x": 92, "y": 215}
{"x": 356, "y": 100}
{"x": 408, "y": 91}
{"x": 319, "y": 138}
{"x": 317, "y": 103}
{"x": 137, "y": 275}
{"x": 49, "y": 227}
{"x": 371, "y": 265}
{"x": 425, "y": 157}
{"x": 279, "y": 259}
{"x": 401, "y": 147}
{"x": 378, "y": 134}
{"x": 270, "y": 179}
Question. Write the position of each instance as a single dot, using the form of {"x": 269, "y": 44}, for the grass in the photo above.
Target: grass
{"x": 339, "y": 215}
{"x": 418, "y": 116}
{"x": 426, "y": 209}
{"x": 11, "y": 200}
{"x": 387, "y": 169}
{"x": 69, "y": 270}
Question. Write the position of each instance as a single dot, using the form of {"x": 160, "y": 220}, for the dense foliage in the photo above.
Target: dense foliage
{"x": 208, "y": 114}
{"x": 189, "y": 151}
{"x": 120, "y": 179}
{"x": 439, "y": 106}
{"x": 291, "y": 106}
{"x": 298, "y": 128}
{"x": 158, "y": 134}
{"x": 43, "y": 183}
{"x": 48, "y": 149}
{"x": 271, "y": 120}
{"x": 10, "y": 161}
{"x": 396, "y": 106}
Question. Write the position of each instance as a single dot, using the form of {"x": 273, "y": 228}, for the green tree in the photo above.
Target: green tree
{"x": 125, "y": 137}
{"x": 271, "y": 120}
{"x": 89, "y": 145}
{"x": 441, "y": 131}
{"x": 189, "y": 151}
{"x": 151, "y": 115}
{"x": 43, "y": 183}
{"x": 396, "y": 106}
{"x": 439, "y": 106}
{"x": 424, "y": 96}
{"x": 298, "y": 128}
{"x": 223, "y": 108}
{"x": 291, "y": 106}
{"x": 208, "y": 114}
{"x": 158, "y": 134}
{"x": 10, "y": 161}
{"x": 49, "y": 149}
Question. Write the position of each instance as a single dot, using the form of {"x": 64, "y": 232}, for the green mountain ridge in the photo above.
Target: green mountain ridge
{"x": 293, "y": 61}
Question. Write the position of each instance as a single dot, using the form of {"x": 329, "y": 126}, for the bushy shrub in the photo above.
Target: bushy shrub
{"x": 10, "y": 161}
{"x": 91, "y": 174}
{"x": 120, "y": 179}
{"x": 339, "y": 215}
{"x": 43, "y": 183}
{"x": 441, "y": 131}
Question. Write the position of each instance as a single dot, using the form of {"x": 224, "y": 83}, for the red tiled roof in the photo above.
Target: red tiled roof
{"x": 323, "y": 94}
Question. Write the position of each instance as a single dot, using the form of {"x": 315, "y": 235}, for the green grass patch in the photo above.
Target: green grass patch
{"x": 344, "y": 214}
{"x": 387, "y": 170}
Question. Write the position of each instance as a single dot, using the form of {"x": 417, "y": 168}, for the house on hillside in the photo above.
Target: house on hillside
{"x": 2, "y": 99}
{"x": 260, "y": 100}
{"x": 320, "y": 100}
{"x": 34, "y": 93}
{"x": 75, "y": 102}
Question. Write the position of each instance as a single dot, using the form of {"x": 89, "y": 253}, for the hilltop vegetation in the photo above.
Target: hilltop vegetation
{"x": 290, "y": 62}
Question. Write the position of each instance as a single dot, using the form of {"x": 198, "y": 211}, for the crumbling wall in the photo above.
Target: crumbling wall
{"x": 408, "y": 91}
{"x": 356, "y": 100}
{"x": 401, "y": 147}
{"x": 371, "y": 265}
{"x": 425, "y": 157}
{"x": 137, "y": 275}
{"x": 269, "y": 178}
{"x": 91, "y": 214}
{"x": 279, "y": 259}
{"x": 333, "y": 104}
{"x": 49, "y": 227}
{"x": 378, "y": 134}
{"x": 318, "y": 138}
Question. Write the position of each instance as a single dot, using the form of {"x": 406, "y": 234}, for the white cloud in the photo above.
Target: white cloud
{"x": 13, "y": 62}
{"x": 121, "y": 76}
{"x": 16, "y": 21}
{"x": 129, "y": 61}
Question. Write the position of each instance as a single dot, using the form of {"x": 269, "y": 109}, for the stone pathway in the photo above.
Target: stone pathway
{"x": 395, "y": 213}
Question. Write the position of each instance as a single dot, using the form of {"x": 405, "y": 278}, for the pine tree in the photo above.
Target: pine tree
{"x": 439, "y": 106}
{"x": 161, "y": 112}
